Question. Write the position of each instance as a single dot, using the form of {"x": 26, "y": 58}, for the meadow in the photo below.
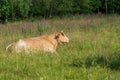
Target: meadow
{"x": 93, "y": 52}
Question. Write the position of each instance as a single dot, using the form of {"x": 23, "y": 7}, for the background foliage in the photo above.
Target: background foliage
{"x": 20, "y": 9}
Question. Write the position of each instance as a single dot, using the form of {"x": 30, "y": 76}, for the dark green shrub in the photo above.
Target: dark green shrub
{"x": 111, "y": 61}
{"x": 114, "y": 60}
{"x": 4, "y": 10}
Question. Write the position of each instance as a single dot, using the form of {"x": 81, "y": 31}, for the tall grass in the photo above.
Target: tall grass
{"x": 92, "y": 54}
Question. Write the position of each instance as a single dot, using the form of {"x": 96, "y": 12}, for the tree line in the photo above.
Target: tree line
{"x": 20, "y": 9}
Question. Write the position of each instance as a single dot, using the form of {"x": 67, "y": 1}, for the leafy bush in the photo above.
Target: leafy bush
{"x": 4, "y": 10}
{"x": 20, "y": 9}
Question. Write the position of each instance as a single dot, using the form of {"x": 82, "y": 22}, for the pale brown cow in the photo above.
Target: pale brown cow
{"x": 47, "y": 43}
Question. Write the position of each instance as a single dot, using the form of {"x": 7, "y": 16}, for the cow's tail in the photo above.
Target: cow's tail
{"x": 10, "y": 45}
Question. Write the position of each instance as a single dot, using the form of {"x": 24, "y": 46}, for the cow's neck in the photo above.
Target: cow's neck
{"x": 52, "y": 40}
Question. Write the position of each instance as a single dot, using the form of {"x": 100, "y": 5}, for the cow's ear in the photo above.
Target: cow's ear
{"x": 56, "y": 35}
{"x": 62, "y": 33}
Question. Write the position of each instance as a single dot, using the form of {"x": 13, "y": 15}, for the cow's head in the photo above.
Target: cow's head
{"x": 61, "y": 37}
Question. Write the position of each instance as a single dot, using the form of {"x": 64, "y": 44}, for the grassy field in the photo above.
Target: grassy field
{"x": 92, "y": 54}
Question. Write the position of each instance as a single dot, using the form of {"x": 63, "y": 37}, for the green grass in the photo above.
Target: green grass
{"x": 92, "y": 54}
